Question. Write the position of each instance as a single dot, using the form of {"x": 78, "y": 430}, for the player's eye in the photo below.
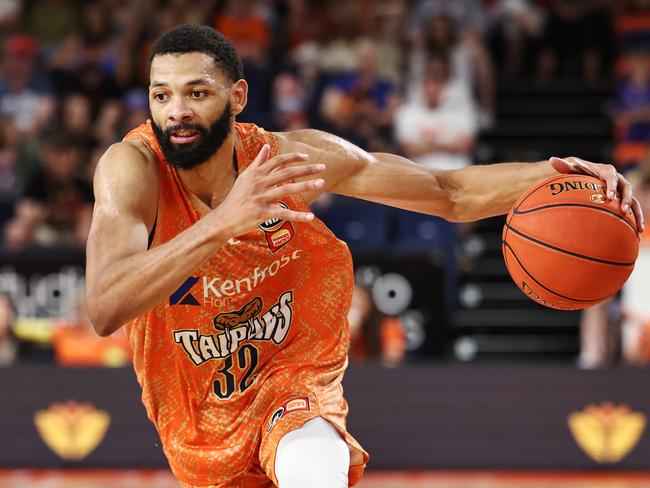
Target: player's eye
{"x": 198, "y": 94}
{"x": 160, "y": 97}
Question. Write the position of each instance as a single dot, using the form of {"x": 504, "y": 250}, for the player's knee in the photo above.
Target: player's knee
{"x": 313, "y": 456}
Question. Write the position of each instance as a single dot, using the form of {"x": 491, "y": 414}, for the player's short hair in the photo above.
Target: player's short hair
{"x": 195, "y": 38}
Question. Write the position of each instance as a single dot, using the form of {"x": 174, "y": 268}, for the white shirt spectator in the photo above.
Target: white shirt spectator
{"x": 447, "y": 130}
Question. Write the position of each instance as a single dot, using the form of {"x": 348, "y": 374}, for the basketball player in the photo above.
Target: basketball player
{"x": 234, "y": 296}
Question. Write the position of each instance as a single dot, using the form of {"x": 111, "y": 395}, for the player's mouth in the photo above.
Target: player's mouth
{"x": 184, "y": 136}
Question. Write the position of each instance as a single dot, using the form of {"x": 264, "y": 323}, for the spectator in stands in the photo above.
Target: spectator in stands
{"x": 635, "y": 305}
{"x": 598, "y": 345}
{"x": 304, "y": 64}
{"x": 25, "y": 96}
{"x": 599, "y": 325}
{"x": 577, "y": 32}
{"x": 632, "y": 105}
{"x": 76, "y": 343}
{"x": 297, "y": 32}
{"x": 339, "y": 54}
{"x": 455, "y": 28}
{"x": 9, "y": 16}
{"x": 387, "y": 19}
{"x": 516, "y": 28}
{"x": 136, "y": 105}
{"x": 56, "y": 205}
{"x": 374, "y": 335}
{"x": 8, "y": 342}
{"x": 360, "y": 105}
{"x": 289, "y": 103}
{"x": 438, "y": 128}
{"x": 241, "y": 21}
{"x": 76, "y": 118}
{"x": 108, "y": 127}
{"x": 50, "y": 21}
{"x": 466, "y": 14}
{"x": 10, "y": 177}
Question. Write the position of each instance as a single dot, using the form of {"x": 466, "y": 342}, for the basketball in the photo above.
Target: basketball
{"x": 566, "y": 245}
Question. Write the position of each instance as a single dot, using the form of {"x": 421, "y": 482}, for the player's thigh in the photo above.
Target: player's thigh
{"x": 313, "y": 455}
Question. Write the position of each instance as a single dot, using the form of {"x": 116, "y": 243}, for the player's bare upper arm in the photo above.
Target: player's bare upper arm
{"x": 126, "y": 195}
{"x": 378, "y": 177}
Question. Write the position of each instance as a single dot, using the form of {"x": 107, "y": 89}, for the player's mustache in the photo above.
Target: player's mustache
{"x": 188, "y": 126}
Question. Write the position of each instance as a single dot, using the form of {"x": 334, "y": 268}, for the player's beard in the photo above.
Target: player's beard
{"x": 187, "y": 156}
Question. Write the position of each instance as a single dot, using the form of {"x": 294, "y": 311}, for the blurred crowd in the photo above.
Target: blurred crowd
{"x": 620, "y": 327}
{"x": 413, "y": 77}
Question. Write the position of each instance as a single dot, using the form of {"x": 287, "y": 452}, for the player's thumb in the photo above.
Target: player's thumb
{"x": 561, "y": 165}
{"x": 262, "y": 156}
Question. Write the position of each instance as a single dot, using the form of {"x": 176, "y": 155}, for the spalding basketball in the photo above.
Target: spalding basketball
{"x": 566, "y": 245}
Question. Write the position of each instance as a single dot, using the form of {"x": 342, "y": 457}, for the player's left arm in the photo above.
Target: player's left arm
{"x": 466, "y": 194}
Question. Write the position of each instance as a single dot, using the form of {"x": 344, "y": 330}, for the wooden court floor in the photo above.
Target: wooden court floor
{"x": 162, "y": 479}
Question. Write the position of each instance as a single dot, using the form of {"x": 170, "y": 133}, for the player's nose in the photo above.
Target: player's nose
{"x": 179, "y": 111}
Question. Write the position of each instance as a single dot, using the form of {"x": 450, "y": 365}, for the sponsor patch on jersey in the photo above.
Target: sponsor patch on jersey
{"x": 277, "y": 415}
{"x": 278, "y": 232}
{"x": 293, "y": 405}
{"x": 297, "y": 404}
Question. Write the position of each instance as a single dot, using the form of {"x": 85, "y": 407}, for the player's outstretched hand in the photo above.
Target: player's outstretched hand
{"x": 617, "y": 185}
{"x": 254, "y": 196}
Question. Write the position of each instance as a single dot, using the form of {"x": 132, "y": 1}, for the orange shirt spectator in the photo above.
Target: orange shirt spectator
{"x": 248, "y": 31}
{"x": 77, "y": 345}
{"x": 374, "y": 335}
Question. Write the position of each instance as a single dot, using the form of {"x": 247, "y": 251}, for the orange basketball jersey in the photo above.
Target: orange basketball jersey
{"x": 251, "y": 345}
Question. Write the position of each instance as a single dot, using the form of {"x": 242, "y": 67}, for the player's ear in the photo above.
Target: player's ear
{"x": 238, "y": 96}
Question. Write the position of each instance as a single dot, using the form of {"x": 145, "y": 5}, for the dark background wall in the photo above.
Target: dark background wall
{"x": 413, "y": 417}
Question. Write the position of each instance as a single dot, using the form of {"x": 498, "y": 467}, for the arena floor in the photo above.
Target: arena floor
{"x": 162, "y": 479}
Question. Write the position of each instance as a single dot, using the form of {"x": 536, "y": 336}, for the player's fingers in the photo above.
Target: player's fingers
{"x": 294, "y": 172}
{"x": 282, "y": 159}
{"x": 573, "y": 165}
{"x": 638, "y": 215}
{"x": 625, "y": 189}
{"x": 608, "y": 174}
{"x": 294, "y": 188}
{"x": 262, "y": 156}
{"x": 561, "y": 165}
{"x": 286, "y": 214}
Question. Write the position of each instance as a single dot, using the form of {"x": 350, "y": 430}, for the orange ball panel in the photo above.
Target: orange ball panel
{"x": 586, "y": 231}
{"x": 566, "y": 246}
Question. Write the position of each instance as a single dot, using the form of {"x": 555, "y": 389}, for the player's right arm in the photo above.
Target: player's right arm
{"x": 123, "y": 277}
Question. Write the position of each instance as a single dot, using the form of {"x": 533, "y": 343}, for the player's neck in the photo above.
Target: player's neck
{"x": 211, "y": 181}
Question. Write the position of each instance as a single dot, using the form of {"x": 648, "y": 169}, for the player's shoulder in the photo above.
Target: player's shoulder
{"x": 128, "y": 159}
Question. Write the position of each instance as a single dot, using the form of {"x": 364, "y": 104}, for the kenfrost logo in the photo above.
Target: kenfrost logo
{"x": 183, "y": 296}
{"x": 220, "y": 292}
{"x": 234, "y": 328}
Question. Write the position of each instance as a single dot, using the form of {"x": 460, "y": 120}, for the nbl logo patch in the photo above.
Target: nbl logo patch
{"x": 277, "y": 232}
{"x": 293, "y": 405}
{"x": 277, "y": 415}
